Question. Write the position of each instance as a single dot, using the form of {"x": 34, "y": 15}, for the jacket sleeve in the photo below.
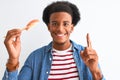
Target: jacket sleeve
{"x": 24, "y": 74}
{"x": 10, "y": 75}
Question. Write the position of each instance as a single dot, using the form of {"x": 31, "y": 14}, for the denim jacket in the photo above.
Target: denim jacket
{"x": 38, "y": 65}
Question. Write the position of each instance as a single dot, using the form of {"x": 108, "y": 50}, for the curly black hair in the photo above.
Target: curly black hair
{"x": 61, "y": 6}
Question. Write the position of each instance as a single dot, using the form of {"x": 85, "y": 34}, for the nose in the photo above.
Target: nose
{"x": 60, "y": 28}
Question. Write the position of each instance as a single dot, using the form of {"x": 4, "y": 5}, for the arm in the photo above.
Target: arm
{"x": 10, "y": 75}
{"x": 24, "y": 74}
{"x": 90, "y": 59}
{"x": 13, "y": 45}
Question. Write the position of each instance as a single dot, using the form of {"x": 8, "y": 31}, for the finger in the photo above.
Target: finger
{"x": 92, "y": 57}
{"x": 12, "y": 34}
{"x": 88, "y": 41}
{"x": 17, "y": 39}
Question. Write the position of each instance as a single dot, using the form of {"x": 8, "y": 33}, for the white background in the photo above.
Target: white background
{"x": 100, "y": 18}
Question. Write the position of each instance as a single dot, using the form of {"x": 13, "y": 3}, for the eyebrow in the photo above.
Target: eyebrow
{"x": 56, "y": 21}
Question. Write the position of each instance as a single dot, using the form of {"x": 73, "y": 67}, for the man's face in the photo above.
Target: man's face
{"x": 60, "y": 27}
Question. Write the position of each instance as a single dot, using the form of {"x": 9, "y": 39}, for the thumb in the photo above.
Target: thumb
{"x": 81, "y": 53}
{"x": 17, "y": 39}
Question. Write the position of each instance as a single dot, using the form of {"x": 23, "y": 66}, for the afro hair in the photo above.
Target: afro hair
{"x": 61, "y": 6}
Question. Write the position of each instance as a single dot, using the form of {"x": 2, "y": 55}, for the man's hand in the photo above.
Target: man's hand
{"x": 13, "y": 45}
{"x": 90, "y": 58}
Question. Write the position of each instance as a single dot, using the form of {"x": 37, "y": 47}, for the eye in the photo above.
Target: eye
{"x": 54, "y": 24}
{"x": 66, "y": 24}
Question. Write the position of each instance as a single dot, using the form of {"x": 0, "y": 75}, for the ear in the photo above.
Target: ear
{"x": 48, "y": 26}
{"x": 72, "y": 28}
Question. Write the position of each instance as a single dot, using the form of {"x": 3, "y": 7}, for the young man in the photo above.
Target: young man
{"x": 62, "y": 59}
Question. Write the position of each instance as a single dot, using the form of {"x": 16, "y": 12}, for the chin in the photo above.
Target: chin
{"x": 59, "y": 41}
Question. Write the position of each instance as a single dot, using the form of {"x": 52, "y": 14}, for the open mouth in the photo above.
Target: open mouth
{"x": 60, "y": 35}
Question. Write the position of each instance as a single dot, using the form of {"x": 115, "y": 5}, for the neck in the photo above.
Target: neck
{"x": 61, "y": 46}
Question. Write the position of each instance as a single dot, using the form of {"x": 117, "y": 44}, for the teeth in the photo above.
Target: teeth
{"x": 60, "y": 34}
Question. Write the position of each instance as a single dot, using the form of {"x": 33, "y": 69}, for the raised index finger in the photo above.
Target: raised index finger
{"x": 88, "y": 41}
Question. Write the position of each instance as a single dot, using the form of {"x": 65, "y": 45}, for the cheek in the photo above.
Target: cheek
{"x": 50, "y": 29}
{"x": 70, "y": 30}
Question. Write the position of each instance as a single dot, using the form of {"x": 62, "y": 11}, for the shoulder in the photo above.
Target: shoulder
{"x": 77, "y": 46}
{"x": 40, "y": 52}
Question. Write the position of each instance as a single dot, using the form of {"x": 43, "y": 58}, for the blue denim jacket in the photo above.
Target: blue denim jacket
{"x": 38, "y": 65}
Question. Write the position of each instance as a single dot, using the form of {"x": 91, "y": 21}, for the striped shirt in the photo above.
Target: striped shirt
{"x": 63, "y": 66}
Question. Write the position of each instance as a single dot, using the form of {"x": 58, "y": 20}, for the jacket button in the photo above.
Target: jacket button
{"x": 47, "y": 72}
